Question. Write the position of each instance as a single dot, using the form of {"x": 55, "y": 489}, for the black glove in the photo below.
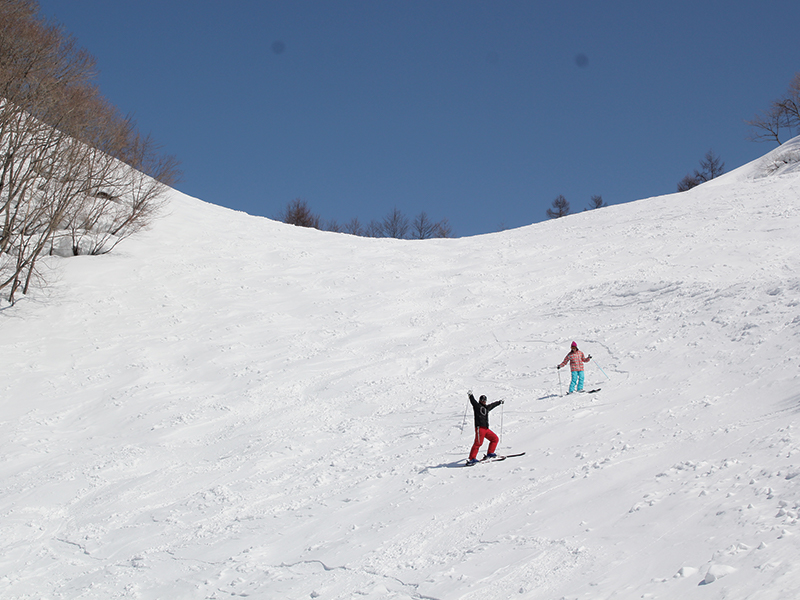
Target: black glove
{"x": 558, "y": 366}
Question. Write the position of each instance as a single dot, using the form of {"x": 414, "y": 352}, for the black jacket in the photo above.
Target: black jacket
{"x": 482, "y": 412}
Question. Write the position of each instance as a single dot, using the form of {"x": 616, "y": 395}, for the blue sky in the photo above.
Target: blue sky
{"x": 476, "y": 111}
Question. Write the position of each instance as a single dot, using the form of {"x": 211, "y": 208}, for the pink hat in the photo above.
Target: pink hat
{"x": 574, "y": 345}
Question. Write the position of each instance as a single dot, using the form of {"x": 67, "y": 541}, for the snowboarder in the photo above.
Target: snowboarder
{"x": 482, "y": 431}
{"x": 576, "y": 359}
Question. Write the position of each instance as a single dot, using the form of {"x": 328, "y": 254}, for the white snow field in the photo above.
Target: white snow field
{"x": 230, "y": 407}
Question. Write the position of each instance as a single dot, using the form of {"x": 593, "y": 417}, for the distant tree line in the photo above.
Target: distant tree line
{"x": 75, "y": 176}
{"x": 394, "y": 225}
{"x": 783, "y": 117}
{"x": 560, "y": 207}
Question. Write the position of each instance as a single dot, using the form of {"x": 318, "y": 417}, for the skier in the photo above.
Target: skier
{"x": 481, "y": 410}
{"x": 576, "y": 359}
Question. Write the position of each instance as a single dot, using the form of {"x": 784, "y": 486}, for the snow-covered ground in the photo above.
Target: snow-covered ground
{"x": 227, "y": 406}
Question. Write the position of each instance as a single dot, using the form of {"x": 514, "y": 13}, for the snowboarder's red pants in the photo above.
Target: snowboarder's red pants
{"x": 480, "y": 434}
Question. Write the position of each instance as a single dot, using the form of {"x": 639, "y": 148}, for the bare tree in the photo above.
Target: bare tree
{"x": 443, "y": 229}
{"x": 353, "y": 227}
{"x": 422, "y": 227}
{"x": 688, "y": 182}
{"x": 334, "y": 226}
{"x": 710, "y": 167}
{"x": 373, "y": 229}
{"x": 70, "y": 167}
{"x": 298, "y": 213}
{"x": 39, "y": 69}
{"x": 123, "y": 180}
{"x": 783, "y": 115}
{"x": 597, "y": 202}
{"x": 560, "y": 208}
{"x": 769, "y": 125}
{"x": 791, "y": 103}
{"x": 395, "y": 225}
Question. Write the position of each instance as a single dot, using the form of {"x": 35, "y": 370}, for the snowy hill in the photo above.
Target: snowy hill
{"x": 231, "y": 407}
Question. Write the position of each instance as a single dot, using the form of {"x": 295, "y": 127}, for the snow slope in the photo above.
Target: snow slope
{"x": 231, "y": 407}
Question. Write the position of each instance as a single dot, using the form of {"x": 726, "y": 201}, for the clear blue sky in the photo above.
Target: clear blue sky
{"x": 481, "y": 112}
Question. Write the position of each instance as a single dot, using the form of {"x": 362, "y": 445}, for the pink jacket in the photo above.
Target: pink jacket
{"x": 576, "y": 360}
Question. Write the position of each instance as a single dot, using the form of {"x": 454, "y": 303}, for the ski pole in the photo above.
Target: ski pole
{"x": 560, "y": 391}
{"x": 601, "y": 369}
{"x": 465, "y": 417}
{"x": 502, "y": 406}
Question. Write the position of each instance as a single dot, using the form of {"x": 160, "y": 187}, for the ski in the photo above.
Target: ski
{"x": 502, "y": 457}
{"x": 495, "y": 459}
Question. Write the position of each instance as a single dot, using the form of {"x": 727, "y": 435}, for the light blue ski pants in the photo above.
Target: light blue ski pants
{"x": 577, "y": 380}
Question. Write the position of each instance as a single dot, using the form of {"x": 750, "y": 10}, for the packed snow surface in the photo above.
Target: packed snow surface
{"x": 227, "y": 406}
